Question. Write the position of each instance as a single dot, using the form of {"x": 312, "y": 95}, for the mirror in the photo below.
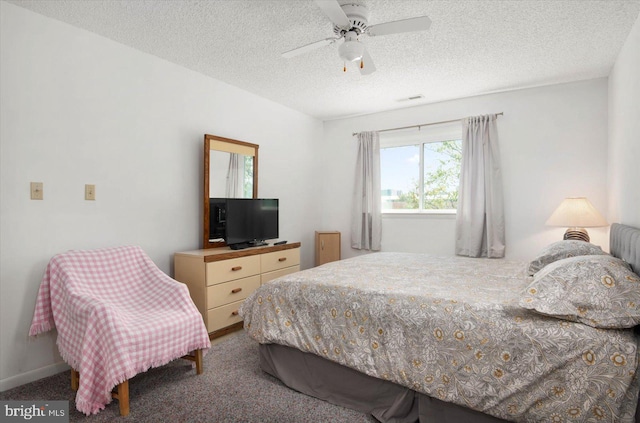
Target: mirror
{"x": 230, "y": 171}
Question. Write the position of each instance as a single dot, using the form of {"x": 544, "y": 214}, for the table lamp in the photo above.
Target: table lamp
{"x": 576, "y": 213}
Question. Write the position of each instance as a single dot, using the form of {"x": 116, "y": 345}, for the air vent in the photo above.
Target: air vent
{"x": 412, "y": 98}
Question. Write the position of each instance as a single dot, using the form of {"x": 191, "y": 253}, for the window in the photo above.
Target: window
{"x": 420, "y": 170}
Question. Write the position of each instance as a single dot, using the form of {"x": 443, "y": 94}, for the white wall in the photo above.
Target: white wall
{"x": 553, "y": 144}
{"x": 624, "y": 133}
{"x": 79, "y": 109}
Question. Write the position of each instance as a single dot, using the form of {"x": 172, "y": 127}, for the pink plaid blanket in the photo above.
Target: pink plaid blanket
{"x": 117, "y": 315}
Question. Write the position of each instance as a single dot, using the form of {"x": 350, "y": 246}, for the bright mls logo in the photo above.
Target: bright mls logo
{"x": 35, "y": 411}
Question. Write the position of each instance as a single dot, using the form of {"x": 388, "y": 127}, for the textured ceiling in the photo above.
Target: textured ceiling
{"x": 472, "y": 47}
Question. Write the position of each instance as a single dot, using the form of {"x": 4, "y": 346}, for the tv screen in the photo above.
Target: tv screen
{"x": 251, "y": 220}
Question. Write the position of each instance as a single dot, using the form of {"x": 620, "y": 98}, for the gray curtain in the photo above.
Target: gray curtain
{"x": 480, "y": 218}
{"x": 234, "y": 186}
{"x": 366, "y": 228}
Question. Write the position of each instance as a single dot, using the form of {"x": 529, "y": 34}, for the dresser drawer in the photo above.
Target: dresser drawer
{"x": 266, "y": 277}
{"x": 280, "y": 259}
{"x": 231, "y": 269}
{"x": 221, "y": 317}
{"x": 228, "y": 292}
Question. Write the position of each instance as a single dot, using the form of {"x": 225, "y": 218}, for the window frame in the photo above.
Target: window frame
{"x": 420, "y": 136}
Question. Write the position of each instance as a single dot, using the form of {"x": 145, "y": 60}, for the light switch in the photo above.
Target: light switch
{"x": 89, "y": 192}
{"x": 37, "y": 192}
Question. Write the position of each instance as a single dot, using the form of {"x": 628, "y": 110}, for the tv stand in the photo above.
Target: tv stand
{"x": 243, "y": 245}
{"x": 240, "y": 246}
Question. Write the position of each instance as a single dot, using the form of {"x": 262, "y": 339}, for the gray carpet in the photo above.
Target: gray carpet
{"x": 231, "y": 389}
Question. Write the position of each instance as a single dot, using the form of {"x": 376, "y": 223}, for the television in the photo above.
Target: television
{"x": 250, "y": 221}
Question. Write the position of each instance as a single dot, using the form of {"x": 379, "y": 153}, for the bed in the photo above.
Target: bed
{"x": 412, "y": 337}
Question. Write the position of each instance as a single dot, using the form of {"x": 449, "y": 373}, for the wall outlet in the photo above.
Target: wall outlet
{"x": 89, "y": 192}
{"x": 37, "y": 191}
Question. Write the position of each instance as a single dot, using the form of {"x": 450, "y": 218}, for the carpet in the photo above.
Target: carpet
{"x": 231, "y": 389}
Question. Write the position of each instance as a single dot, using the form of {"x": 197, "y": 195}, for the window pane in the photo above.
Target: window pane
{"x": 400, "y": 177}
{"x": 442, "y": 174}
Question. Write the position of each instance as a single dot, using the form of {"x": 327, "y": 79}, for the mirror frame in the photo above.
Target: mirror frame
{"x": 228, "y": 145}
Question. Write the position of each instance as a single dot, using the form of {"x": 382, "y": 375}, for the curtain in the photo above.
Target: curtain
{"x": 366, "y": 228}
{"x": 234, "y": 186}
{"x": 480, "y": 217}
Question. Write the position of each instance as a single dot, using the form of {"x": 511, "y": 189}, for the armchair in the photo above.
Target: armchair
{"x": 117, "y": 314}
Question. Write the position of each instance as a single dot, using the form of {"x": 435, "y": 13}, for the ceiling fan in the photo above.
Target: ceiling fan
{"x": 350, "y": 23}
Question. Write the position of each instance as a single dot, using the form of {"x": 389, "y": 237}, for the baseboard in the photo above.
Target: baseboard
{"x": 32, "y": 376}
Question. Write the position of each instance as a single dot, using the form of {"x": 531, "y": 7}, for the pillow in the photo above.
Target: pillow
{"x": 561, "y": 250}
{"x": 600, "y": 291}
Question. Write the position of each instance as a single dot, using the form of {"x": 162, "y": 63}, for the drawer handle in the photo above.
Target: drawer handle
{"x": 282, "y": 259}
{"x": 236, "y": 290}
{"x": 235, "y": 269}
{"x": 234, "y": 313}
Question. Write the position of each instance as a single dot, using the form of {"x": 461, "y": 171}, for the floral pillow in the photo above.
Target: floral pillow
{"x": 561, "y": 250}
{"x": 599, "y": 291}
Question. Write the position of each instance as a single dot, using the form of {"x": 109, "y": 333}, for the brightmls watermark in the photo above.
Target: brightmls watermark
{"x": 34, "y": 411}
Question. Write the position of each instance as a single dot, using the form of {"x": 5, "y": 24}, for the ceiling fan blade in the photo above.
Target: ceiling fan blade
{"x": 421, "y": 23}
{"x": 300, "y": 50}
{"x": 367, "y": 64}
{"x": 334, "y": 12}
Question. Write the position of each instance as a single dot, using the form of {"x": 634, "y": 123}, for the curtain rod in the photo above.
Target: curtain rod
{"x": 423, "y": 124}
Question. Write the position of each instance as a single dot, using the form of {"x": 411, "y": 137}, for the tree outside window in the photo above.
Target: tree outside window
{"x": 402, "y": 187}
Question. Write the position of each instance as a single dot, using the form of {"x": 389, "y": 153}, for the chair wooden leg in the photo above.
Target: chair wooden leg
{"x": 122, "y": 395}
{"x": 197, "y": 358}
{"x": 198, "y": 354}
{"x": 75, "y": 379}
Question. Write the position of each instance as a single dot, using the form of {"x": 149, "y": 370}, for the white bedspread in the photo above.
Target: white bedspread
{"x": 451, "y": 327}
{"x": 117, "y": 315}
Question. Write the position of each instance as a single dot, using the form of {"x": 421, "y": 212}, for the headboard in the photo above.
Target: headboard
{"x": 624, "y": 242}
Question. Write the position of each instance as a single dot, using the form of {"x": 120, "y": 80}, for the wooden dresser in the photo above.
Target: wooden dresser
{"x": 219, "y": 279}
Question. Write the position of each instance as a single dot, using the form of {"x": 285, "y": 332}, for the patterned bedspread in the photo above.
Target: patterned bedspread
{"x": 451, "y": 327}
{"x": 117, "y": 315}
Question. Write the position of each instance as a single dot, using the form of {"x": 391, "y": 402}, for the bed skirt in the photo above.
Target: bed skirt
{"x": 386, "y": 401}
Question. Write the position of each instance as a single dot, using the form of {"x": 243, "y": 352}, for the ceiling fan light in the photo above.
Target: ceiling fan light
{"x": 351, "y": 51}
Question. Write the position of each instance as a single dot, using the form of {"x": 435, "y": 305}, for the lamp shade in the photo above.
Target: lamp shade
{"x": 351, "y": 51}
{"x": 576, "y": 212}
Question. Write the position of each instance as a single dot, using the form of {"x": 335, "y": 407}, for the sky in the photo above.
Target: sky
{"x": 400, "y": 166}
